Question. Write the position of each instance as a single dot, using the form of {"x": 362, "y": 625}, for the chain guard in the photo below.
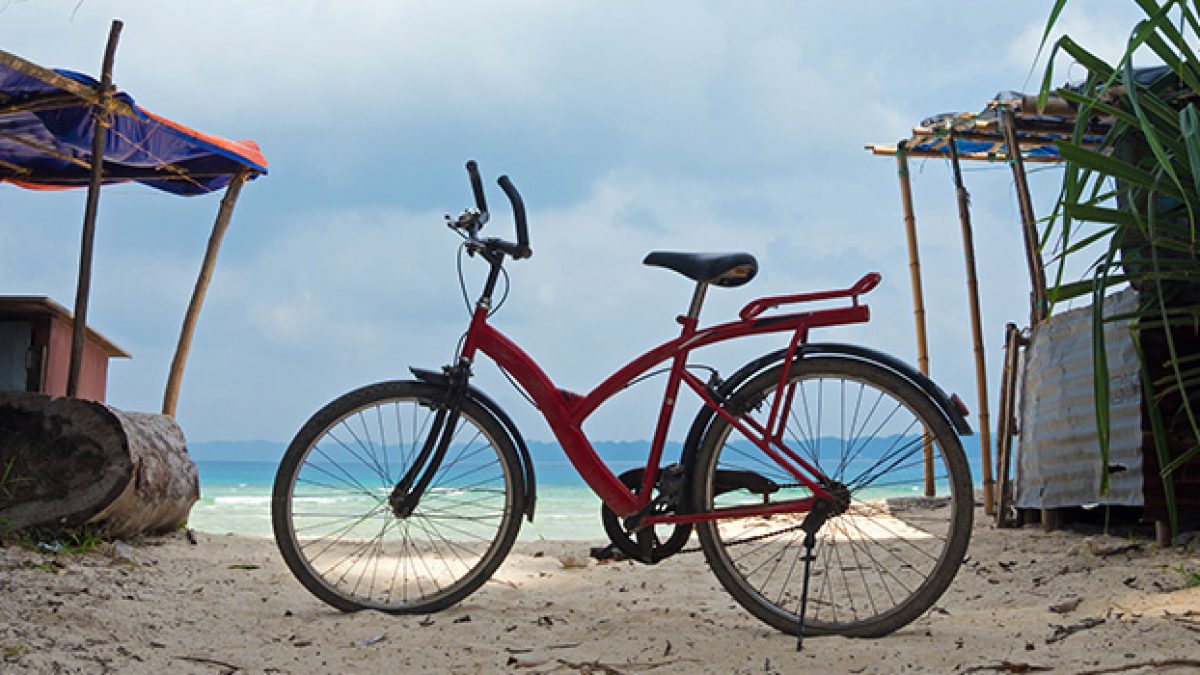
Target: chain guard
{"x": 649, "y": 545}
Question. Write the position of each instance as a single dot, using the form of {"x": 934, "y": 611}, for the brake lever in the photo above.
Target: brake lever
{"x": 468, "y": 222}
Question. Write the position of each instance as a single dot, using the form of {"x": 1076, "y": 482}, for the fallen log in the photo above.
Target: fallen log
{"x": 70, "y": 462}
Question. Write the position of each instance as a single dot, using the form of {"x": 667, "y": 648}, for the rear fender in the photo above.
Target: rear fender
{"x": 703, "y": 420}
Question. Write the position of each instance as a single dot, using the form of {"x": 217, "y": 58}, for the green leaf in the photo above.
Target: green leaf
{"x": 1151, "y": 133}
{"x": 1173, "y": 353}
{"x": 1093, "y": 63}
{"x": 1097, "y": 214}
{"x": 1099, "y": 106}
{"x": 1189, "y": 126}
{"x": 1100, "y": 367}
{"x": 1179, "y": 54}
{"x": 1078, "y": 288}
{"x": 1159, "y": 432}
{"x": 1055, "y": 11}
{"x": 1088, "y": 241}
{"x": 1107, "y": 165}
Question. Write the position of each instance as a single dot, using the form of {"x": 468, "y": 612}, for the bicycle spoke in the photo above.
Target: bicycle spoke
{"x": 881, "y": 559}
{"x": 342, "y": 537}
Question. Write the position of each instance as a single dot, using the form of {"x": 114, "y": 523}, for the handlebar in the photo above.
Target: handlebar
{"x": 477, "y": 188}
{"x": 471, "y": 223}
{"x": 518, "y": 206}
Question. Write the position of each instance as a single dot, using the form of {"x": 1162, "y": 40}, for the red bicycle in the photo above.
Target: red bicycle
{"x": 824, "y": 464}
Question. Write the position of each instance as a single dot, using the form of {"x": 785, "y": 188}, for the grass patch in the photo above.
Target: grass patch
{"x": 1191, "y": 578}
{"x": 81, "y": 540}
{"x": 14, "y": 652}
{"x": 9, "y": 533}
{"x": 7, "y": 481}
{"x": 72, "y": 541}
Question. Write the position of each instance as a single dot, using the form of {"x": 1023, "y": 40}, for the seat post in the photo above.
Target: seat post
{"x": 697, "y": 300}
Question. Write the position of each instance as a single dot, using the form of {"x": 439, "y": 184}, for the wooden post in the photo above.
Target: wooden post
{"x": 985, "y": 436}
{"x": 918, "y": 295}
{"x": 1014, "y": 342}
{"x": 1033, "y": 254}
{"x": 99, "y": 132}
{"x": 224, "y": 214}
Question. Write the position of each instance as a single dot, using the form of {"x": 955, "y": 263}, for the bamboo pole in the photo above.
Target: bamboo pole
{"x": 39, "y": 104}
{"x": 17, "y": 138}
{"x": 1033, "y": 255}
{"x": 99, "y": 132}
{"x": 73, "y": 87}
{"x": 184, "y": 346}
{"x": 985, "y": 436}
{"x": 918, "y": 296}
{"x": 888, "y": 150}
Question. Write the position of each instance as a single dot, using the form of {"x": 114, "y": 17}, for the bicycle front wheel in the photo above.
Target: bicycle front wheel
{"x": 340, "y": 536}
{"x": 894, "y": 543}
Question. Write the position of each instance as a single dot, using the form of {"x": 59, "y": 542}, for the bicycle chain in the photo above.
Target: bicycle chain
{"x": 754, "y": 538}
{"x": 747, "y": 540}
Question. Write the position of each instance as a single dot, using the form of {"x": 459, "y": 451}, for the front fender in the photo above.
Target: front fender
{"x": 486, "y": 402}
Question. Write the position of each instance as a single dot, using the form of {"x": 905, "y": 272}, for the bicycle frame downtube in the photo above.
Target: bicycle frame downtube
{"x": 553, "y": 406}
{"x": 566, "y": 413}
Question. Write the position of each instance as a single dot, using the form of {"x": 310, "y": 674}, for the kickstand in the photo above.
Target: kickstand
{"x": 812, "y": 522}
{"x": 810, "y": 540}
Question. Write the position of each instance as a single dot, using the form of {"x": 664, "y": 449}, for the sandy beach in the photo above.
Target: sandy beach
{"x": 1025, "y": 601}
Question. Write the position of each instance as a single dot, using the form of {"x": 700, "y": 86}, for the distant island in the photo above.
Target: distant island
{"x": 272, "y": 451}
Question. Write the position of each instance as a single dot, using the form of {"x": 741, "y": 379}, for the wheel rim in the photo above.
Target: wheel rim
{"x": 350, "y": 542}
{"x": 874, "y": 558}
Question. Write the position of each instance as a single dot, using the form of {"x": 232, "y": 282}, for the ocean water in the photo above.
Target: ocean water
{"x": 235, "y": 496}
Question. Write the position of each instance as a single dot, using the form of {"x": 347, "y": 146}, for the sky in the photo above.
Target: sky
{"x": 627, "y": 126}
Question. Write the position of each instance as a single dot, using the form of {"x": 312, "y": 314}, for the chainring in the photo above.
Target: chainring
{"x": 648, "y": 545}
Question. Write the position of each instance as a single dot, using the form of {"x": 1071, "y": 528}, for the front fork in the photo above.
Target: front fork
{"x": 411, "y": 487}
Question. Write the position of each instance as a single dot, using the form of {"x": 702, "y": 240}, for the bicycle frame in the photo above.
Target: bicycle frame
{"x": 457, "y": 499}
{"x": 566, "y": 411}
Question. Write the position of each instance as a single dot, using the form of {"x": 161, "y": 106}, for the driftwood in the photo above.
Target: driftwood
{"x": 69, "y": 462}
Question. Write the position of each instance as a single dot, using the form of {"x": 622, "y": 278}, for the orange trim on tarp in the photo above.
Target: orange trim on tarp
{"x": 40, "y": 186}
{"x": 246, "y": 149}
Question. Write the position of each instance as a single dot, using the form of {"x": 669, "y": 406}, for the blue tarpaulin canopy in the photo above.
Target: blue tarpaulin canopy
{"x": 47, "y": 118}
{"x": 61, "y": 129}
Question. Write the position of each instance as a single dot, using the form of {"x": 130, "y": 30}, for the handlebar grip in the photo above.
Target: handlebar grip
{"x": 477, "y": 186}
{"x": 518, "y": 206}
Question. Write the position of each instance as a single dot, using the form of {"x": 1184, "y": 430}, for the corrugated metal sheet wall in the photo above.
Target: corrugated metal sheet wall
{"x": 1058, "y": 454}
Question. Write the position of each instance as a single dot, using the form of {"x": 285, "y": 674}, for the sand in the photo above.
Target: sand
{"x": 1024, "y": 600}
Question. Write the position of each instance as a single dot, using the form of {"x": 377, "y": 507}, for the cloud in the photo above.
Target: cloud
{"x": 1103, "y": 33}
{"x": 629, "y": 127}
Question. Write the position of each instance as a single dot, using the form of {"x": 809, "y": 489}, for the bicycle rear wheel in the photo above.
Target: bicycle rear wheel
{"x": 890, "y": 551}
{"x": 337, "y": 531}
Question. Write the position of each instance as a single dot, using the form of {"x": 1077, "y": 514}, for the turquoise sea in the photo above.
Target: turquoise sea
{"x": 236, "y": 497}
{"x": 236, "y": 481}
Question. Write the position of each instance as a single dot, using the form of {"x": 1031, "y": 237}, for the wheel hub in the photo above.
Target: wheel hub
{"x": 841, "y": 497}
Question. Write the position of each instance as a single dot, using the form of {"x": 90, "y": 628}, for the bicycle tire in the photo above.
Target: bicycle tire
{"x": 886, "y": 543}
{"x": 353, "y": 552}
